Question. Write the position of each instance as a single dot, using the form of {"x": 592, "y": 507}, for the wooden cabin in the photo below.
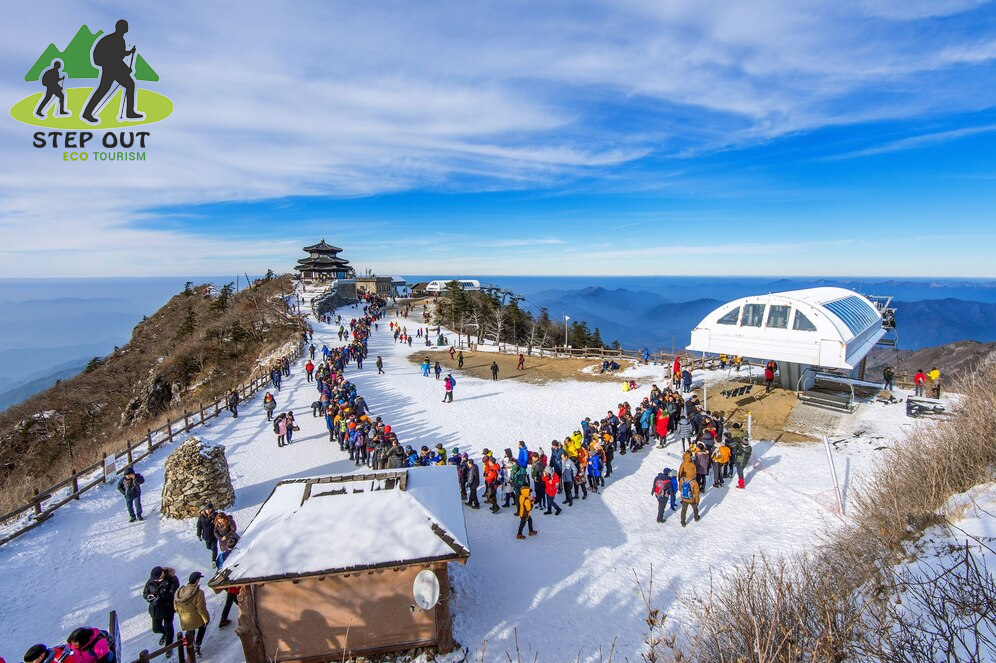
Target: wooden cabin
{"x": 327, "y": 565}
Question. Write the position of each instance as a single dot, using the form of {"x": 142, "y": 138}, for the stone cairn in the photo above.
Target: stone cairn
{"x": 197, "y": 472}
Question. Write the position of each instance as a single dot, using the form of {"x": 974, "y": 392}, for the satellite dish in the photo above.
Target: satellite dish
{"x": 426, "y": 589}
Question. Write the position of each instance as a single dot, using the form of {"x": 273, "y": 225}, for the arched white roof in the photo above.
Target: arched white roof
{"x": 826, "y": 327}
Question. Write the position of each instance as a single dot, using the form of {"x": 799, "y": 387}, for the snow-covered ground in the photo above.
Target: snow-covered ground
{"x": 570, "y": 589}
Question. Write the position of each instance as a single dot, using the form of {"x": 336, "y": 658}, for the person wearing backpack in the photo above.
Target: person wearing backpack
{"x": 524, "y": 511}
{"x": 159, "y": 591}
{"x": 91, "y": 645}
{"x": 741, "y": 456}
{"x": 689, "y": 486}
{"x": 280, "y": 428}
{"x": 662, "y": 489}
{"x": 191, "y": 607}
{"x": 448, "y": 385}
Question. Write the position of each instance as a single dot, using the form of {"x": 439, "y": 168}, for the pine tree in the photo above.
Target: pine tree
{"x": 188, "y": 325}
{"x": 188, "y": 289}
{"x": 596, "y": 339}
{"x": 224, "y": 296}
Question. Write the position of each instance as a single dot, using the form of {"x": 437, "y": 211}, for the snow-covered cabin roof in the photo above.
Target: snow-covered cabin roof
{"x": 826, "y": 327}
{"x": 349, "y": 523}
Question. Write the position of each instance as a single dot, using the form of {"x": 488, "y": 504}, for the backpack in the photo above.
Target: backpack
{"x": 686, "y": 490}
{"x": 659, "y": 486}
{"x": 110, "y": 646}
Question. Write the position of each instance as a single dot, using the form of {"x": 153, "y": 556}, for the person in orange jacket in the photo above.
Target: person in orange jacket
{"x": 491, "y": 483}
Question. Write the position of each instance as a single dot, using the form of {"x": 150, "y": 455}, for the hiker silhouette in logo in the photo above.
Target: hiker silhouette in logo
{"x": 108, "y": 54}
{"x": 52, "y": 81}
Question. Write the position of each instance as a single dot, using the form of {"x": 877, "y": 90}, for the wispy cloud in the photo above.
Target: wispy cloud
{"x": 913, "y": 142}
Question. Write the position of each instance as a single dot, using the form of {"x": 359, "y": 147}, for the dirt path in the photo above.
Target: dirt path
{"x": 769, "y": 412}
{"x": 538, "y": 369}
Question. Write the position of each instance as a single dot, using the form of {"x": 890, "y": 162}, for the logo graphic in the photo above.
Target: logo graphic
{"x": 115, "y": 102}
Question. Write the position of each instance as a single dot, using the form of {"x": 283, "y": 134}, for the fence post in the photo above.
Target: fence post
{"x": 186, "y": 422}
{"x": 103, "y": 464}
{"x": 37, "y": 504}
{"x": 148, "y": 437}
{"x": 217, "y": 408}
{"x": 128, "y": 449}
{"x": 143, "y": 656}
{"x": 202, "y": 413}
{"x": 169, "y": 430}
{"x": 76, "y": 485}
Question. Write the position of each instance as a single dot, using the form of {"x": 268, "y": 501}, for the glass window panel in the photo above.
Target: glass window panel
{"x": 730, "y": 318}
{"x": 802, "y": 323}
{"x": 753, "y": 315}
{"x": 778, "y": 316}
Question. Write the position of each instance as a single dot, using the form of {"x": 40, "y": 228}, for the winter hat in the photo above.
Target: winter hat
{"x": 129, "y": 470}
{"x": 456, "y": 450}
{"x": 34, "y": 652}
{"x": 207, "y": 506}
{"x": 194, "y": 577}
{"x": 156, "y": 572}
{"x": 387, "y": 429}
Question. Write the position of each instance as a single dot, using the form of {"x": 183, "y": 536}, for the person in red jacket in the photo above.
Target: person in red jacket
{"x": 551, "y": 481}
{"x": 43, "y": 654}
{"x": 918, "y": 381}
{"x": 310, "y": 369}
{"x": 660, "y": 427}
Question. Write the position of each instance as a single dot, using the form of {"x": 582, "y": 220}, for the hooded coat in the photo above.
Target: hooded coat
{"x": 687, "y": 474}
{"x": 191, "y": 607}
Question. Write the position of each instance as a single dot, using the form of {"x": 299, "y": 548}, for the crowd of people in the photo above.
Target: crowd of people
{"x": 521, "y": 479}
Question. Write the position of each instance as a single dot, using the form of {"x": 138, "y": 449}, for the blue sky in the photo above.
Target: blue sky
{"x": 627, "y": 137}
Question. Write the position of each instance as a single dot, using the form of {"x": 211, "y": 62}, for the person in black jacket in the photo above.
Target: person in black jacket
{"x": 159, "y": 592}
{"x": 473, "y": 474}
{"x": 130, "y": 486}
{"x": 205, "y": 529}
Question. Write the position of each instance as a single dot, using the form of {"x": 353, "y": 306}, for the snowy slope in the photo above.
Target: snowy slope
{"x": 567, "y": 590}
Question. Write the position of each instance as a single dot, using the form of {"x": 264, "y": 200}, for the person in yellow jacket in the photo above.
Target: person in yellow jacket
{"x": 191, "y": 607}
{"x": 525, "y": 511}
{"x": 573, "y": 443}
{"x": 688, "y": 485}
{"x": 722, "y": 362}
{"x": 720, "y": 461}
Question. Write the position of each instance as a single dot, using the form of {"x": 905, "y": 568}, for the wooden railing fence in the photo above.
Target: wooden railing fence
{"x": 44, "y": 503}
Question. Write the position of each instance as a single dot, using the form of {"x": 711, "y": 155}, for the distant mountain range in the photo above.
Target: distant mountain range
{"x": 638, "y": 318}
{"x": 40, "y": 381}
{"x": 76, "y": 59}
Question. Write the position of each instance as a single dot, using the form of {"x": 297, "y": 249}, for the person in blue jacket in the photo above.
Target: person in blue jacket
{"x": 645, "y": 355}
{"x": 665, "y": 486}
{"x": 594, "y": 471}
{"x": 686, "y": 379}
{"x": 523, "y": 457}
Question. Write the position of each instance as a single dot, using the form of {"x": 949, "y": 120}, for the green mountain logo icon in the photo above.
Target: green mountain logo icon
{"x": 76, "y": 59}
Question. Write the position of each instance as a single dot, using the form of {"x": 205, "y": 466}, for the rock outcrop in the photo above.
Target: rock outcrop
{"x": 197, "y": 472}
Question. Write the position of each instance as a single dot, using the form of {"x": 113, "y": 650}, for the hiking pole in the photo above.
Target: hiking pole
{"x": 131, "y": 64}
{"x": 110, "y": 95}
